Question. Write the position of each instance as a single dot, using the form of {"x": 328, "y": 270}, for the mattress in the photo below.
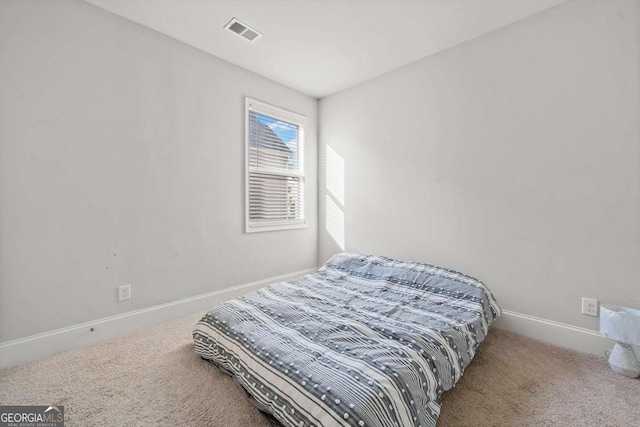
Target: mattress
{"x": 364, "y": 341}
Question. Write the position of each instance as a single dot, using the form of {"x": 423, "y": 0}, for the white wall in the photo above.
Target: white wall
{"x": 121, "y": 162}
{"x": 514, "y": 157}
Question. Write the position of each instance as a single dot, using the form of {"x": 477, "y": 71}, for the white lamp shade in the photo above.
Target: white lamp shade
{"x": 621, "y": 324}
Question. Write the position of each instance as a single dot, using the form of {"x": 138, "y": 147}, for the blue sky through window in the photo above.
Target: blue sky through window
{"x": 287, "y": 132}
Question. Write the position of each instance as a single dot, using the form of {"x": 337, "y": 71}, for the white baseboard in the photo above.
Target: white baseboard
{"x": 34, "y": 347}
{"x": 556, "y": 333}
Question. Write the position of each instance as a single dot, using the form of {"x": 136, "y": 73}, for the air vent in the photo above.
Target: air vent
{"x": 243, "y": 30}
{"x": 237, "y": 27}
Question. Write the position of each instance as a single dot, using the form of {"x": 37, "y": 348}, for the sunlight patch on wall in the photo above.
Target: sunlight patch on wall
{"x": 335, "y": 175}
{"x": 335, "y": 222}
{"x": 335, "y": 197}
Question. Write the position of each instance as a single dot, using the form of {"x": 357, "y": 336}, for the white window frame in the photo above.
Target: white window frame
{"x": 290, "y": 117}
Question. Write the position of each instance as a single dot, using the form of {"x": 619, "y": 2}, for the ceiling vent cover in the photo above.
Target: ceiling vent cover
{"x": 243, "y": 30}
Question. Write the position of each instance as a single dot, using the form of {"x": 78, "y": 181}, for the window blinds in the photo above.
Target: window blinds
{"x": 275, "y": 157}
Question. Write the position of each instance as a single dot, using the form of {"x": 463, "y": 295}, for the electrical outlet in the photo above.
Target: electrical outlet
{"x": 124, "y": 292}
{"x": 590, "y": 306}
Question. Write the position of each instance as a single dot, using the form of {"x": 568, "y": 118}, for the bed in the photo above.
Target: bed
{"x": 364, "y": 341}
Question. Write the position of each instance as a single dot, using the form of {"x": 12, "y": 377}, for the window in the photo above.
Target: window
{"x": 275, "y": 168}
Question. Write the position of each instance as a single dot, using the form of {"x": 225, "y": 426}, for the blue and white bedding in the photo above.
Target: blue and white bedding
{"x": 364, "y": 341}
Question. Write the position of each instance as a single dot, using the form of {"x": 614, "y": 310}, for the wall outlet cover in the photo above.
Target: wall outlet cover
{"x": 590, "y": 306}
{"x": 124, "y": 292}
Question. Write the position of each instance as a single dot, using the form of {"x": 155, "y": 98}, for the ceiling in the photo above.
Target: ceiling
{"x": 320, "y": 47}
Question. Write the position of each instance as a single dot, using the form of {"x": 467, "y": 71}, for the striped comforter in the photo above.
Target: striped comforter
{"x": 364, "y": 341}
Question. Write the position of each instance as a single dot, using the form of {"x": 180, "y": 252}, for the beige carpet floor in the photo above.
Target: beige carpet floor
{"x": 153, "y": 378}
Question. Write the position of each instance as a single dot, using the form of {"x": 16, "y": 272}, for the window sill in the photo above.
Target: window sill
{"x": 274, "y": 227}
